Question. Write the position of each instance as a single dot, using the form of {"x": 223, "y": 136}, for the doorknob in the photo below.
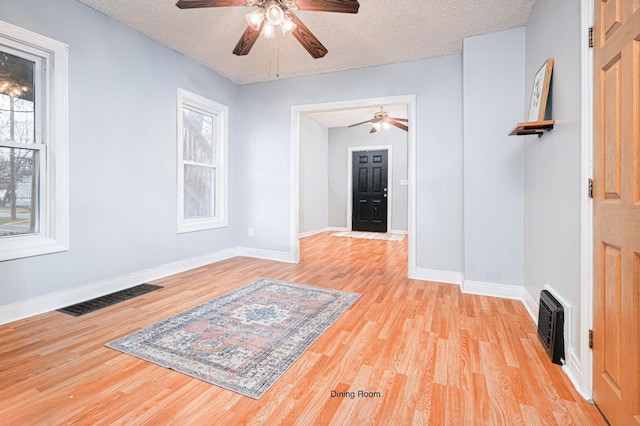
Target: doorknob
{"x": 385, "y": 190}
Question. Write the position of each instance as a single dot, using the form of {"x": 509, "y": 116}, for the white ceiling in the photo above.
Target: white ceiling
{"x": 382, "y": 32}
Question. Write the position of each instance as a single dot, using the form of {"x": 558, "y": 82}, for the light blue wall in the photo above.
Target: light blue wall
{"x": 313, "y": 176}
{"x": 264, "y": 171}
{"x": 493, "y": 161}
{"x": 122, "y": 152}
{"x": 552, "y": 163}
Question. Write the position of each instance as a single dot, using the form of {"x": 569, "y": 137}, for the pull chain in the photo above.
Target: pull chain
{"x": 278, "y": 58}
{"x": 277, "y": 54}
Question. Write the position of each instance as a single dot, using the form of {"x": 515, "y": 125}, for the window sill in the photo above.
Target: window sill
{"x": 19, "y": 247}
{"x": 201, "y": 225}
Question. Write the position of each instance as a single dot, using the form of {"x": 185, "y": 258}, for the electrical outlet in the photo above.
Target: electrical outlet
{"x": 251, "y": 232}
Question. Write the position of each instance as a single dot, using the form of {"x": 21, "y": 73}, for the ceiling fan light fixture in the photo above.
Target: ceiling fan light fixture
{"x": 290, "y": 4}
{"x": 276, "y": 18}
{"x": 274, "y": 14}
{"x": 288, "y": 26}
{"x": 268, "y": 30}
{"x": 255, "y": 18}
{"x": 381, "y": 120}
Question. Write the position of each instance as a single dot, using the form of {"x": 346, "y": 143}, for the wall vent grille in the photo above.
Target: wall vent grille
{"x": 551, "y": 326}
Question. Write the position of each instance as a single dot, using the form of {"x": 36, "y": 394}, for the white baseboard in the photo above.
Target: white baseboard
{"x": 504, "y": 291}
{"x": 337, "y": 228}
{"x": 531, "y": 305}
{"x": 320, "y": 231}
{"x": 437, "y": 276}
{"x": 310, "y": 233}
{"x": 572, "y": 369}
{"x": 50, "y": 302}
{"x": 399, "y": 232}
{"x": 279, "y": 256}
{"x": 468, "y": 286}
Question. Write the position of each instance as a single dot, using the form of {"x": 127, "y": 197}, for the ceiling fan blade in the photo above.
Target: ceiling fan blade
{"x": 399, "y": 119}
{"x": 192, "y": 4}
{"x": 341, "y": 6}
{"x": 357, "y": 124}
{"x": 373, "y": 130}
{"x": 307, "y": 39}
{"x": 247, "y": 40}
{"x": 398, "y": 125}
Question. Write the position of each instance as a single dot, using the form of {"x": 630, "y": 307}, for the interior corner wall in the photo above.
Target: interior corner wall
{"x": 122, "y": 154}
{"x": 493, "y": 161}
{"x": 314, "y": 176}
{"x": 264, "y": 173}
{"x": 340, "y": 139}
{"x": 552, "y": 162}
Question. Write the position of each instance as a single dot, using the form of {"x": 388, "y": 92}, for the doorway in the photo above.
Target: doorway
{"x": 297, "y": 111}
{"x": 369, "y": 188}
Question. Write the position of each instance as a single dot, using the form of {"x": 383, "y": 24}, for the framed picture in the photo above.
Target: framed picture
{"x": 540, "y": 94}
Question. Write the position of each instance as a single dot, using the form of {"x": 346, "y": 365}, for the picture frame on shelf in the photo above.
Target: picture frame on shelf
{"x": 540, "y": 92}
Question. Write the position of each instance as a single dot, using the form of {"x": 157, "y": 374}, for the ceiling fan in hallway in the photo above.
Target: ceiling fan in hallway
{"x": 381, "y": 120}
{"x": 275, "y": 17}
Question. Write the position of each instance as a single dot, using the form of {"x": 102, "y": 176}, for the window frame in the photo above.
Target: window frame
{"x": 52, "y": 129}
{"x": 200, "y": 104}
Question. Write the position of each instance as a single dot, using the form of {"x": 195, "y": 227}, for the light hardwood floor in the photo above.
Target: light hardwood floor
{"x": 434, "y": 355}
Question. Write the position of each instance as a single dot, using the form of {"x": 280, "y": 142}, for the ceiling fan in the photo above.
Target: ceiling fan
{"x": 381, "y": 120}
{"x": 273, "y": 16}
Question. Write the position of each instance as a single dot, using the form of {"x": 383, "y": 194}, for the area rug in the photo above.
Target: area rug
{"x": 245, "y": 340}
{"x": 369, "y": 235}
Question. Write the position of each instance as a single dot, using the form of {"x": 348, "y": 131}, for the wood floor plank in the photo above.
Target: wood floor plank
{"x": 421, "y": 352}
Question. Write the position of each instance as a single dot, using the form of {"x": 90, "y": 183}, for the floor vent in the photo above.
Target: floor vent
{"x": 551, "y": 326}
{"x": 108, "y": 300}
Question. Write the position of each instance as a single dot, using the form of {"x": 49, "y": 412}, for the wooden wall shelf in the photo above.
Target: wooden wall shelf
{"x": 532, "y": 128}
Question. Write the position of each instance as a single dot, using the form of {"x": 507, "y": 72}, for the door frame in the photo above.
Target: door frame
{"x": 582, "y": 369}
{"x": 350, "y": 151}
{"x": 294, "y": 176}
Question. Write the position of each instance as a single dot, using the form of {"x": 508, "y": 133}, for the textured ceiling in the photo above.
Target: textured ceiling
{"x": 382, "y": 32}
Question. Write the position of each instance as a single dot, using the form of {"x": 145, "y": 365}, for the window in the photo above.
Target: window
{"x": 202, "y": 158}
{"x": 34, "y": 208}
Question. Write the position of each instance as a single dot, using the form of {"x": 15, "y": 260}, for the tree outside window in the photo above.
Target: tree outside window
{"x": 18, "y": 168}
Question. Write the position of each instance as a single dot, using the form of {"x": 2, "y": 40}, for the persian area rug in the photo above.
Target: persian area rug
{"x": 369, "y": 235}
{"x": 245, "y": 340}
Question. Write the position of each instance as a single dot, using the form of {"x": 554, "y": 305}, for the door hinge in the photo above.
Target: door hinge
{"x": 590, "y": 188}
{"x": 590, "y": 36}
{"x": 590, "y": 339}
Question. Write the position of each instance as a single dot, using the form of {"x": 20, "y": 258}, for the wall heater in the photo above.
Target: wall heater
{"x": 551, "y": 326}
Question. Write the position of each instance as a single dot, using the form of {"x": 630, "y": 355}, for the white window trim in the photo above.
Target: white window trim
{"x": 54, "y": 219}
{"x": 207, "y": 106}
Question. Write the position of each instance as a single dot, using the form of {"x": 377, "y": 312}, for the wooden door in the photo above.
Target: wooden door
{"x": 616, "y": 328}
{"x": 370, "y": 191}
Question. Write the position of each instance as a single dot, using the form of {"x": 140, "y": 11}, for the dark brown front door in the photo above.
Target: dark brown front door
{"x": 370, "y": 191}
